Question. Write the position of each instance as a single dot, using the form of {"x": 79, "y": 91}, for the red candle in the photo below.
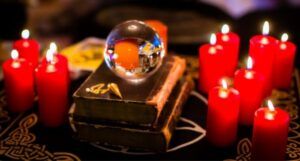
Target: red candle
{"x": 19, "y": 83}
{"x": 58, "y": 59}
{"x": 284, "y": 63}
{"x": 250, "y": 86}
{"x": 222, "y": 116}
{"x": 231, "y": 43}
{"x": 52, "y": 88}
{"x": 28, "y": 48}
{"x": 262, "y": 50}
{"x": 211, "y": 65}
{"x": 270, "y": 132}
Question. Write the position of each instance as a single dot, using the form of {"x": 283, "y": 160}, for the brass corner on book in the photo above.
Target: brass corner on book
{"x": 101, "y": 88}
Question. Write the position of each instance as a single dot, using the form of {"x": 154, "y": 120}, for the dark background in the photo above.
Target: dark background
{"x": 189, "y": 21}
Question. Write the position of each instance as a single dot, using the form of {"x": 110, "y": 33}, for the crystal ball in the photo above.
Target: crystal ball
{"x": 133, "y": 51}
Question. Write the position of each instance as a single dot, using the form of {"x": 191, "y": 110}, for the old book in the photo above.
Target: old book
{"x": 140, "y": 104}
{"x": 156, "y": 139}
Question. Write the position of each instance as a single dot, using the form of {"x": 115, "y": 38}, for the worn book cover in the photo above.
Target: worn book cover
{"x": 140, "y": 103}
{"x": 156, "y": 139}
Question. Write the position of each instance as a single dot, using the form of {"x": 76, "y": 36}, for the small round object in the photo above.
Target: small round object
{"x": 133, "y": 51}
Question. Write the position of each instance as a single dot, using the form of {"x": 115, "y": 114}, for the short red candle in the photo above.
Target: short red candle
{"x": 231, "y": 43}
{"x": 211, "y": 65}
{"x": 284, "y": 63}
{"x": 19, "y": 83}
{"x": 262, "y": 50}
{"x": 250, "y": 85}
{"x": 52, "y": 88}
{"x": 58, "y": 59}
{"x": 222, "y": 116}
{"x": 29, "y": 49}
{"x": 270, "y": 132}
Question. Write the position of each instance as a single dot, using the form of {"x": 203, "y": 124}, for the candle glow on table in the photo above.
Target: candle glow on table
{"x": 222, "y": 116}
{"x": 250, "y": 84}
{"x": 28, "y": 49}
{"x": 231, "y": 43}
{"x": 212, "y": 61}
{"x": 52, "y": 89}
{"x": 284, "y": 63}
{"x": 270, "y": 132}
{"x": 18, "y": 82}
{"x": 262, "y": 50}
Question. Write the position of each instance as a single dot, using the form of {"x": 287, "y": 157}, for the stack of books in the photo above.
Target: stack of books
{"x": 139, "y": 116}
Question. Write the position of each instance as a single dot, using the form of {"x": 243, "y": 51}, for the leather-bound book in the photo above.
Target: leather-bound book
{"x": 156, "y": 139}
{"x": 140, "y": 104}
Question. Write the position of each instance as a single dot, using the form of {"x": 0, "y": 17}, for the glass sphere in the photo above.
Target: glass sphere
{"x": 133, "y": 51}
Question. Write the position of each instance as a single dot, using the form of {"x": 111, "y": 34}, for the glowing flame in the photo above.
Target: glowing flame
{"x": 284, "y": 37}
{"x": 14, "y": 54}
{"x": 266, "y": 28}
{"x": 213, "y": 39}
{"x": 49, "y": 55}
{"x": 25, "y": 34}
{"x": 224, "y": 84}
{"x": 225, "y": 29}
{"x": 249, "y": 63}
{"x": 271, "y": 106}
{"x": 53, "y": 47}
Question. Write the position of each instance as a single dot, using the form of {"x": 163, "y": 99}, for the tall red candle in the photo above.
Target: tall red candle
{"x": 270, "y": 132}
{"x": 250, "y": 85}
{"x": 262, "y": 50}
{"x": 19, "y": 83}
{"x": 222, "y": 116}
{"x": 231, "y": 43}
{"x": 29, "y": 49}
{"x": 52, "y": 88}
{"x": 211, "y": 65}
{"x": 284, "y": 63}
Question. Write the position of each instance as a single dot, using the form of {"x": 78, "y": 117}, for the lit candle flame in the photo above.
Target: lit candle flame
{"x": 271, "y": 106}
{"x": 284, "y": 37}
{"x": 249, "y": 63}
{"x": 266, "y": 28}
{"x": 213, "y": 39}
{"x": 25, "y": 34}
{"x": 14, "y": 54}
{"x": 225, "y": 29}
{"x": 224, "y": 83}
{"x": 53, "y": 47}
{"x": 49, "y": 56}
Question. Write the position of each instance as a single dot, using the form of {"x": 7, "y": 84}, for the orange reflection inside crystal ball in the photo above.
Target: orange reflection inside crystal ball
{"x": 127, "y": 54}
